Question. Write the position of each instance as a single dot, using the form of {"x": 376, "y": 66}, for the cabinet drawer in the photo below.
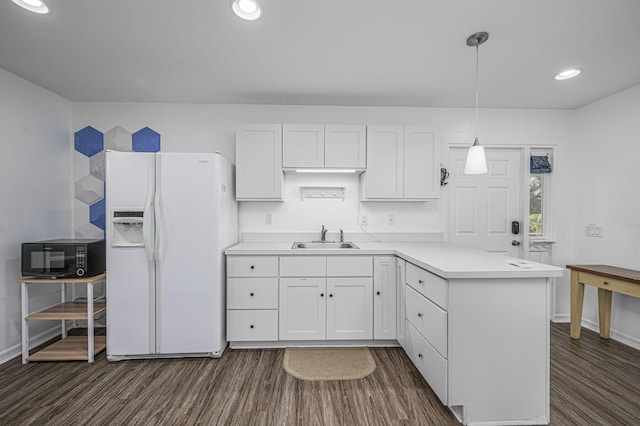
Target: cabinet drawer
{"x": 252, "y": 266}
{"x": 430, "y": 364}
{"x": 607, "y": 283}
{"x": 303, "y": 266}
{"x": 428, "y": 284}
{"x": 349, "y": 266}
{"x": 252, "y": 293}
{"x": 252, "y": 325}
{"x": 428, "y": 319}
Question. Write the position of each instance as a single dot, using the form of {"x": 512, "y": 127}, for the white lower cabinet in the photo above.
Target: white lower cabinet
{"x": 252, "y": 298}
{"x": 429, "y": 362}
{"x": 252, "y": 325}
{"x": 326, "y": 298}
{"x": 400, "y": 298}
{"x": 426, "y": 327}
{"x": 303, "y": 309}
{"x": 349, "y": 308}
{"x": 384, "y": 298}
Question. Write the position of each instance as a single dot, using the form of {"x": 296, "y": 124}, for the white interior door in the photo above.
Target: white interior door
{"x": 483, "y": 207}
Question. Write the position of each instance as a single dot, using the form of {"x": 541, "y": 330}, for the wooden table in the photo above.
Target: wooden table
{"x": 608, "y": 279}
{"x": 70, "y": 348}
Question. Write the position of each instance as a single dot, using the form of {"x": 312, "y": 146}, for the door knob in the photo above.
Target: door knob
{"x": 515, "y": 243}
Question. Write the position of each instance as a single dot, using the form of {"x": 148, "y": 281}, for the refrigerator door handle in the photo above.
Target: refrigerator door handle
{"x": 148, "y": 210}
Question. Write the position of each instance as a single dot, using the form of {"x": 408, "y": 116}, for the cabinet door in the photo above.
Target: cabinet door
{"x": 302, "y": 145}
{"x": 302, "y": 309}
{"x": 421, "y": 163}
{"x": 259, "y": 162}
{"x": 384, "y": 297}
{"x": 345, "y": 146}
{"x": 400, "y": 301}
{"x": 385, "y": 155}
{"x": 349, "y": 308}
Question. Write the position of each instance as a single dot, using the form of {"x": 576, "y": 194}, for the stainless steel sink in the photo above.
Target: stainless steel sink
{"x": 324, "y": 245}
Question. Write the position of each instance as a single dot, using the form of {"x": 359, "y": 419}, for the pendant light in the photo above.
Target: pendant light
{"x": 476, "y": 160}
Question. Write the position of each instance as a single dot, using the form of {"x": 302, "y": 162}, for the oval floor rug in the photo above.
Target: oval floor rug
{"x": 329, "y": 363}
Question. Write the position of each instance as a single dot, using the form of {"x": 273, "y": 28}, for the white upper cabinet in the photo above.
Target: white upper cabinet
{"x": 320, "y": 146}
{"x": 403, "y": 164}
{"x": 421, "y": 163}
{"x": 385, "y": 158}
{"x": 302, "y": 145}
{"x": 259, "y": 162}
{"x": 345, "y": 146}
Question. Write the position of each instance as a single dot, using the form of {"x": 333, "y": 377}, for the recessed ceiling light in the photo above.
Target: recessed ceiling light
{"x": 249, "y": 10}
{"x": 35, "y": 6}
{"x": 567, "y": 74}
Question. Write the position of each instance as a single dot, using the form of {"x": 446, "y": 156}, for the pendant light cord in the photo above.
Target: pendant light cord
{"x": 477, "y": 73}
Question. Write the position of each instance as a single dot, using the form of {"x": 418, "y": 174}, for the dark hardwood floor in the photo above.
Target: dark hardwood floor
{"x": 593, "y": 381}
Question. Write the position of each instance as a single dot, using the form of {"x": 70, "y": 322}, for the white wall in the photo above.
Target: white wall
{"x": 603, "y": 178}
{"x": 36, "y": 188}
{"x": 207, "y": 128}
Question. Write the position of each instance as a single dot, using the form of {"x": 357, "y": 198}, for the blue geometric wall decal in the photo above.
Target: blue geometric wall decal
{"x": 146, "y": 140}
{"x": 88, "y": 141}
{"x": 97, "y": 214}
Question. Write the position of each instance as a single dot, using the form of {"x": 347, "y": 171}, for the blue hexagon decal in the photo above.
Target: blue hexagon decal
{"x": 146, "y": 140}
{"x": 88, "y": 141}
{"x": 97, "y": 214}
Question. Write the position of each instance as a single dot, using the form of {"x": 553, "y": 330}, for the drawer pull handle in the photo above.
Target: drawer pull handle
{"x": 605, "y": 283}
{"x": 419, "y": 315}
{"x": 420, "y": 282}
{"x": 330, "y": 295}
{"x": 252, "y": 267}
{"x": 419, "y": 355}
{"x": 251, "y": 326}
{"x": 378, "y": 293}
{"x": 251, "y": 294}
{"x": 321, "y": 294}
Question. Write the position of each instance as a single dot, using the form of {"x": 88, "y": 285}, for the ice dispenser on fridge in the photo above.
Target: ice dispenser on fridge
{"x": 127, "y": 228}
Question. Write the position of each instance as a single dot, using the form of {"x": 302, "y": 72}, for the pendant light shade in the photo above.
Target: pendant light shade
{"x": 476, "y": 160}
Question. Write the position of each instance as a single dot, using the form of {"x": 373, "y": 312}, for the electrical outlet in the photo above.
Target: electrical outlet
{"x": 364, "y": 220}
{"x": 391, "y": 219}
{"x": 593, "y": 230}
{"x": 268, "y": 219}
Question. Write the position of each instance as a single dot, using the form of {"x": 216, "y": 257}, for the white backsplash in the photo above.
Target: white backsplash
{"x": 309, "y": 215}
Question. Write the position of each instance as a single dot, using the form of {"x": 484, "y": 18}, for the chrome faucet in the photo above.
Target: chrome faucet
{"x": 341, "y": 236}
{"x": 323, "y": 234}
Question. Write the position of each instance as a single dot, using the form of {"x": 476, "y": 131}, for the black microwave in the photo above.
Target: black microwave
{"x": 63, "y": 258}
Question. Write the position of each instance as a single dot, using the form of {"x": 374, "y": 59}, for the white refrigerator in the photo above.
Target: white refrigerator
{"x": 170, "y": 216}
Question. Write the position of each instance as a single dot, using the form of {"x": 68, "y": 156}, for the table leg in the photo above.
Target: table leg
{"x": 90, "y": 322}
{"x": 577, "y": 299}
{"x": 604, "y": 311}
{"x": 63, "y": 299}
{"x": 25, "y": 325}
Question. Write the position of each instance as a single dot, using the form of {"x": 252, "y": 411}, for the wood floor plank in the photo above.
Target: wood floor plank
{"x": 593, "y": 381}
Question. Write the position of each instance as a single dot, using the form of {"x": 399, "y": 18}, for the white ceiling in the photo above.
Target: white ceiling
{"x": 326, "y": 52}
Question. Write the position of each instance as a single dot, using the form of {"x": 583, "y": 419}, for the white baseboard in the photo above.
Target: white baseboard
{"x": 16, "y": 350}
{"x": 560, "y": 318}
{"x": 634, "y": 342}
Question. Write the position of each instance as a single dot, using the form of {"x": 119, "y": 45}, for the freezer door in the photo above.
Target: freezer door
{"x": 188, "y": 254}
{"x": 130, "y": 274}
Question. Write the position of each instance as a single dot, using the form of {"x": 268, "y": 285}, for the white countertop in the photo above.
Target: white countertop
{"x": 445, "y": 260}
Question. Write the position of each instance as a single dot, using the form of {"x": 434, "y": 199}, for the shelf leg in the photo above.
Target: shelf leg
{"x": 25, "y": 325}
{"x": 90, "y": 322}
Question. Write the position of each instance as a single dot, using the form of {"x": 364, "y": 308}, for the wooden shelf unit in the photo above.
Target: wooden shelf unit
{"x": 70, "y": 348}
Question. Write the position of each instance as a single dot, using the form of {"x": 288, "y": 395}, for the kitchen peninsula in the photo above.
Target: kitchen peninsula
{"x": 475, "y": 325}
